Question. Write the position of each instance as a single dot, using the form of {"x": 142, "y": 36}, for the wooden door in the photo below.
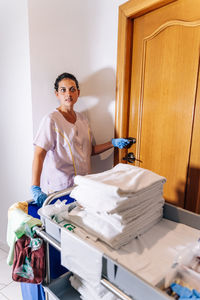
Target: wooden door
{"x": 163, "y": 89}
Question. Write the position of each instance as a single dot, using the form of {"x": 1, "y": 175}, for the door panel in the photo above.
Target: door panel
{"x": 193, "y": 182}
{"x": 165, "y": 64}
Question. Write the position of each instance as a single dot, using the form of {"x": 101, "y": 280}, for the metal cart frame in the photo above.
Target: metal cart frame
{"x": 123, "y": 283}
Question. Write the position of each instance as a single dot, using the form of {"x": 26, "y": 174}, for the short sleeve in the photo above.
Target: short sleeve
{"x": 46, "y": 136}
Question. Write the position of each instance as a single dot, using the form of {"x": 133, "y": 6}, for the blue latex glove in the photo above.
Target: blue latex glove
{"x": 190, "y": 298}
{"x": 182, "y": 291}
{"x": 196, "y": 294}
{"x": 120, "y": 143}
{"x": 38, "y": 196}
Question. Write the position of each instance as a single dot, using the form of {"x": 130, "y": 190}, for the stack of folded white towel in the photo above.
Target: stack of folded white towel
{"x": 90, "y": 292}
{"x": 119, "y": 204}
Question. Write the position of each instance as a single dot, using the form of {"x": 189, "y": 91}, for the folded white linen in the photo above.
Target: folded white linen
{"x": 122, "y": 180}
{"x": 107, "y": 225}
{"x": 119, "y": 204}
{"x": 119, "y": 220}
{"x": 120, "y": 241}
{"x": 80, "y": 257}
{"x": 90, "y": 292}
{"x": 127, "y": 216}
{"x": 113, "y": 232}
{"x": 94, "y": 222}
{"x": 99, "y": 200}
{"x": 136, "y": 201}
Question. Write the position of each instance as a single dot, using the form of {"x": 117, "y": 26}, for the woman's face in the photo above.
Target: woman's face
{"x": 67, "y": 93}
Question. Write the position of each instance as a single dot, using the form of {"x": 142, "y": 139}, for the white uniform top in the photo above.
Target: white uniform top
{"x": 68, "y": 149}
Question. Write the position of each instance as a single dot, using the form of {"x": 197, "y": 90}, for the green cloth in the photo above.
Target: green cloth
{"x": 18, "y": 221}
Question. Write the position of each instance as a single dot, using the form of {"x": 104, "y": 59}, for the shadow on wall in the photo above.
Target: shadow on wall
{"x": 188, "y": 195}
{"x": 99, "y": 91}
{"x": 193, "y": 190}
{"x": 99, "y": 84}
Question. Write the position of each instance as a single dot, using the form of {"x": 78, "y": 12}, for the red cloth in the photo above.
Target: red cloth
{"x": 36, "y": 258}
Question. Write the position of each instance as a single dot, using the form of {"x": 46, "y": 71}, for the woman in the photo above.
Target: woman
{"x": 63, "y": 143}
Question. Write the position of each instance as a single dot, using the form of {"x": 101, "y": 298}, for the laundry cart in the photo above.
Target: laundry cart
{"x": 116, "y": 272}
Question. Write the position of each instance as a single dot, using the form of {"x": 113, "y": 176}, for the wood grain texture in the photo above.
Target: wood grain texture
{"x": 123, "y": 79}
{"x": 193, "y": 182}
{"x": 163, "y": 142}
{"x": 135, "y": 8}
{"x": 127, "y": 12}
{"x": 160, "y": 103}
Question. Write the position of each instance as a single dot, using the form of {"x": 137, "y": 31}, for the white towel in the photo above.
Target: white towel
{"x": 119, "y": 220}
{"x": 122, "y": 180}
{"x": 94, "y": 199}
{"x": 113, "y": 232}
{"x": 129, "y": 215}
{"x": 90, "y": 292}
{"x": 80, "y": 257}
{"x": 119, "y": 204}
{"x": 120, "y": 241}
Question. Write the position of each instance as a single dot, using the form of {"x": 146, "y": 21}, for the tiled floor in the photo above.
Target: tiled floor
{"x": 9, "y": 289}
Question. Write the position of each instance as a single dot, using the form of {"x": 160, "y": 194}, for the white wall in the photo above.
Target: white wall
{"x": 78, "y": 37}
{"x": 15, "y": 103}
{"x": 65, "y": 35}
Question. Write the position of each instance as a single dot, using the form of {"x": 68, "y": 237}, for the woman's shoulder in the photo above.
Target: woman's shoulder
{"x": 49, "y": 118}
{"x": 53, "y": 115}
{"x": 82, "y": 116}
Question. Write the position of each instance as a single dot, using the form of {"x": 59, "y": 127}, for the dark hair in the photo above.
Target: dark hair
{"x": 67, "y": 76}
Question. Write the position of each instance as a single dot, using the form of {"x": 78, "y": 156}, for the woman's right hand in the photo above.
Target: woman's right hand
{"x": 121, "y": 143}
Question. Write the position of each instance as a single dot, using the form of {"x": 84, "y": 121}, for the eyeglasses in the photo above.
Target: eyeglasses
{"x": 63, "y": 90}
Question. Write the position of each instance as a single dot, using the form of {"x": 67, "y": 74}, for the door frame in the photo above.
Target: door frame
{"x": 127, "y": 13}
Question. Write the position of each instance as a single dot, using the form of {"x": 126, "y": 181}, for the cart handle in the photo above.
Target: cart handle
{"x": 55, "y": 195}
